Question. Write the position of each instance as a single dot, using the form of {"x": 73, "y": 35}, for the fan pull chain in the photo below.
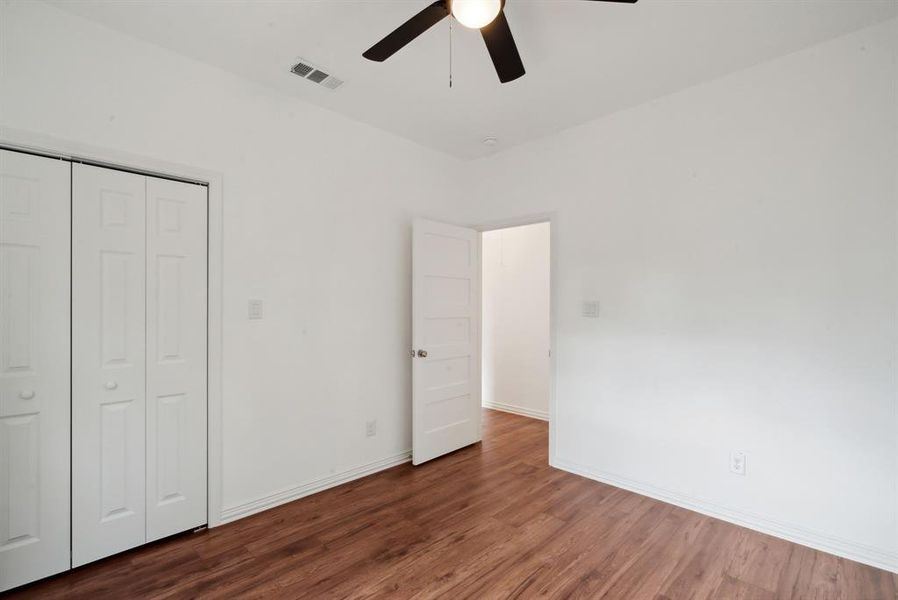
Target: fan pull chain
{"x": 450, "y": 52}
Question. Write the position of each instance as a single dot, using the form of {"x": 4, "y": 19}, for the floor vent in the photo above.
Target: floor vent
{"x": 312, "y": 73}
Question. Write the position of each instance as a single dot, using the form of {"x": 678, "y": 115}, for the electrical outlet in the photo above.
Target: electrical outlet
{"x": 371, "y": 428}
{"x": 737, "y": 462}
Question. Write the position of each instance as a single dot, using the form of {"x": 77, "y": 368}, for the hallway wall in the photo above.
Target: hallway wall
{"x": 516, "y": 320}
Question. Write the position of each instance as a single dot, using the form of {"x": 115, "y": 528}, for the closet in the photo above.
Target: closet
{"x": 103, "y": 296}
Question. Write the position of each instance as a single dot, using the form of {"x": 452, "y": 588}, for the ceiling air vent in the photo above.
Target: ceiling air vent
{"x": 312, "y": 73}
{"x": 332, "y": 83}
{"x": 302, "y": 69}
{"x": 317, "y": 76}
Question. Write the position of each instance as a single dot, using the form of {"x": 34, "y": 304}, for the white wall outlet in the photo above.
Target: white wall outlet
{"x": 255, "y": 309}
{"x": 371, "y": 428}
{"x": 591, "y": 309}
{"x": 737, "y": 462}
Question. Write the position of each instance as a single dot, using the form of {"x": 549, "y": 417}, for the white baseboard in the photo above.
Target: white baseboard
{"x": 300, "y": 491}
{"x": 876, "y": 557}
{"x": 518, "y": 410}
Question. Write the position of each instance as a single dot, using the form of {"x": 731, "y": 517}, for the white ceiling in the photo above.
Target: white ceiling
{"x": 583, "y": 59}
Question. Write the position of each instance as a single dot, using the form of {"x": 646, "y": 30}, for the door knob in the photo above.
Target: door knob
{"x": 111, "y": 385}
{"x": 26, "y": 394}
{"x": 422, "y": 353}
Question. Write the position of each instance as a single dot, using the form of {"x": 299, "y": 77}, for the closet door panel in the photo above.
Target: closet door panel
{"x": 34, "y": 367}
{"x": 109, "y": 362}
{"x": 176, "y": 357}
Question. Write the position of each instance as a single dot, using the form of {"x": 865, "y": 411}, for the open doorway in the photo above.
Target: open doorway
{"x": 478, "y": 370}
{"x": 515, "y": 305}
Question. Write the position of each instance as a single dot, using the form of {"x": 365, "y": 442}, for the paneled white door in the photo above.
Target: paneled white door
{"x": 34, "y": 367}
{"x": 109, "y": 362}
{"x": 176, "y": 357}
{"x": 446, "y": 339}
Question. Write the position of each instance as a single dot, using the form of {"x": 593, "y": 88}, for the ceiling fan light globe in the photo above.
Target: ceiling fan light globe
{"x": 476, "y": 14}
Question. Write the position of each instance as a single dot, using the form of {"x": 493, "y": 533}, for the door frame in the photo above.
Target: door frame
{"x": 35, "y": 143}
{"x": 532, "y": 219}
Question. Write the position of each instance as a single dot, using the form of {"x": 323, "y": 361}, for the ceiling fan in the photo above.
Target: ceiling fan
{"x": 486, "y": 15}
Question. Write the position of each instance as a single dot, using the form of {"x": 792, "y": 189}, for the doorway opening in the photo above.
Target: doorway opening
{"x": 478, "y": 370}
{"x": 515, "y": 321}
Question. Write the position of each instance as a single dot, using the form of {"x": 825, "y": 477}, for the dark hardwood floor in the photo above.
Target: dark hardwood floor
{"x": 490, "y": 521}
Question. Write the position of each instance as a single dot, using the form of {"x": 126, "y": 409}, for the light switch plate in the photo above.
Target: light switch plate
{"x": 255, "y": 309}
{"x": 591, "y": 309}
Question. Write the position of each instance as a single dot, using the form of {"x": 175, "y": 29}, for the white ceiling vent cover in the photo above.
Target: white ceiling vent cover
{"x": 310, "y": 72}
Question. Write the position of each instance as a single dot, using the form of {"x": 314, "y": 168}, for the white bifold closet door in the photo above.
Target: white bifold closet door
{"x": 108, "y": 362}
{"x": 176, "y": 357}
{"x": 139, "y": 360}
{"x": 34, "y": 367}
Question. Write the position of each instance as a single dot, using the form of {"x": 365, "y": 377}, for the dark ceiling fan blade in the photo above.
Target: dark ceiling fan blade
{"x": 623, "y": 1}
{"x": 407, "y": 32}
{"x": 502, "y": 49}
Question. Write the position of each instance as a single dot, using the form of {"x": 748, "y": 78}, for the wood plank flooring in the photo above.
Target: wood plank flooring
{"x": 489, "y": 521}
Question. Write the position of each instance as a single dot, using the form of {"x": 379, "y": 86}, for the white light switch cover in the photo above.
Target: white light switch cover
{"x": 591, "y": 309}
{"x": 255, "y": 309}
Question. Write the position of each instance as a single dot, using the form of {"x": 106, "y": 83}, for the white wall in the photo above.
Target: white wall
{"x": 740, "y": 235}
{"x": 741, "y": 238}
{"x": 516, "y": 319}
{"x": 317, "y": 213}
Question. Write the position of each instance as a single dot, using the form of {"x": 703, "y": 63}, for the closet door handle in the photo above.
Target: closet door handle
{"x": 111, "y": 385}
{"x": 26, "y": 394}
